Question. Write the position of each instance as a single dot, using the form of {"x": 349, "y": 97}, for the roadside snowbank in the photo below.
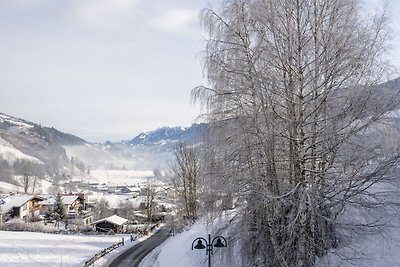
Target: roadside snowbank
{"x": 376, "y": 251}
{"x": 177, "y": 251}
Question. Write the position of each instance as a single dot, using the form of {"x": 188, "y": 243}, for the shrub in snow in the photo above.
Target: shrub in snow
{"x": 19, "y": 225}
{"x": 85, "y": 229}
{"x": 79, "y": 228}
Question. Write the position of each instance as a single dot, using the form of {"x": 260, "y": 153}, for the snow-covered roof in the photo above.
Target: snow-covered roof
{"x": 68, "y": 200}
{"x": 114, "y": 219}
{"x": 16, "y": 201}
{"x": 48, "y": 201}
{"x": 133, "y": 188}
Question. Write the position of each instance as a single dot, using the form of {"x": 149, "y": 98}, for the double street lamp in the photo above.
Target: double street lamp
{"x": 218, "y": 242}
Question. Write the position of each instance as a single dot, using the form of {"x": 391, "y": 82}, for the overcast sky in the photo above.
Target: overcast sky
{"x": 105, "y": 69}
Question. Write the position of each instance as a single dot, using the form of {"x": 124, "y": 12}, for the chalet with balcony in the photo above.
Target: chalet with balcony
{"x": 24, "y": 207}
{"x": 74, "y": 205}
{"x": 72, "y": 202}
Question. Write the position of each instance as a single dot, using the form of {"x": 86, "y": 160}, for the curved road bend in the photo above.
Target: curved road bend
{"x": 134, "y": 255}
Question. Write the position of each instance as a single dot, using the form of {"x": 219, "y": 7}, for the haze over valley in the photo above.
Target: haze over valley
{"x": 172, "y": 133}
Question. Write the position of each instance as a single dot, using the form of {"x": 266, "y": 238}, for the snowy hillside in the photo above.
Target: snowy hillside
{"x": 13, "y": 125}
{"x": 7, "y": 187}
{"x": 177, "y": 251}
{"x": 16, "y": 122}
{"x": 374, "y": 251}
{"x": 20, "y": 139}
{"x": 11, "y": 154}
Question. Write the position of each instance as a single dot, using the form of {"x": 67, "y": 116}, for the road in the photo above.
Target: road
{"x": 134, "y": 255}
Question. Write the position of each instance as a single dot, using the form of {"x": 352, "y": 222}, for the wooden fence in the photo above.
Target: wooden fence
{"x": 103, "y": 252}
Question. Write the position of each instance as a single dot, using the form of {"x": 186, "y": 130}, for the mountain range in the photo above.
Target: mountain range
{"x": 21, "y": 139}
{"x": 168, "y": 135}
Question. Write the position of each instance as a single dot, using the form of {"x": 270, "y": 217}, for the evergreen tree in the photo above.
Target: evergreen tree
{"x": 59, "y": 212}
{"x": 48, "y": 215}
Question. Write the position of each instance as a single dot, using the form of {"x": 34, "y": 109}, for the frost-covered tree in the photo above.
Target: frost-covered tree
{"x": 186, "y": 172}
{"x": 26, "y": 170}
{"x": 301, "y": 133}
{"x": 30, "y": 173}
{"x": 151, "y": 191}
{"x": 126, "y": 210}
{"x": 5, "y": 170}
{"x": 102, "y": 209}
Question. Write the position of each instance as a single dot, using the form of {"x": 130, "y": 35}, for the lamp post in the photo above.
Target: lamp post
{"x": 218, "y": 242}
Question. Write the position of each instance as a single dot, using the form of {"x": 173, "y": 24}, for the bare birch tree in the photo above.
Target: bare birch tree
{"x": 186, "y": 171}
{"x": 151, "y": 191}
{"x": 31, "y": 173}
{"x": 26, "y": 172}
{"x": 102, "y": 209}
{"x": 299, "y": 126}
{"x": 5, "y": 170}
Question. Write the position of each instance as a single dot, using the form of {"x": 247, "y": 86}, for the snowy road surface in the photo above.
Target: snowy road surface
{"x": 133, "y": 256}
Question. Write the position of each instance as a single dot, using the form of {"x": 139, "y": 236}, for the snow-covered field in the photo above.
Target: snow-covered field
{"x": 27, "y": 249}
{"x": 115, "y": 200}
{"x": 121, "y": 177}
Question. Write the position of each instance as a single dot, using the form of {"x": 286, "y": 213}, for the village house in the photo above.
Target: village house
{"x": 83, "y": 217}
{"x": 24, "y": 207}
{"x": 72, "y": 202}
{"x": 130, "y": 190}
{"x": 113, "y": 223}
{"x": 74, "y": 206}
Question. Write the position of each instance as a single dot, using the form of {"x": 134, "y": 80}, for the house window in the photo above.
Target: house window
{"x": 25, "y": 207}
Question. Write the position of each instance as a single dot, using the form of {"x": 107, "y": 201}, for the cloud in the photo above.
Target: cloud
{"x": 27, "y": 3}
{"x": 102, "y": 11}
{"x": 179, "y": 21}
